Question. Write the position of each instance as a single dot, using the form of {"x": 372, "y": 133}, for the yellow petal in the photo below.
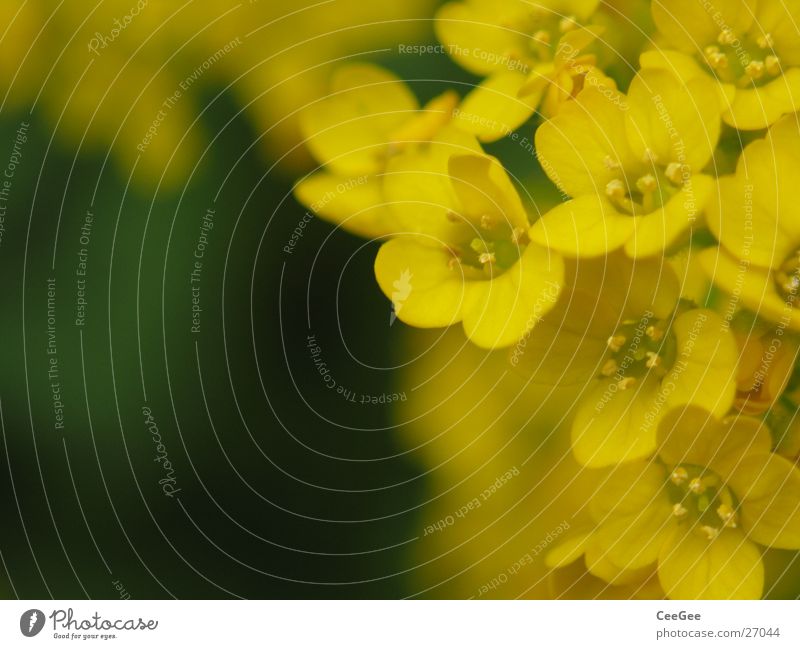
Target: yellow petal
{"x": 686, "y": 68}
{"x": 614, "y": 425}
{"x": 692, "y": 435}
{"x": 634, "y": 513}
{"x": 473, "y": 37}
{"x": 750, "y": 286}
{"x": 704, "y": 372}
{"x": 598, "y": 564}
{"x": 728, "y": 567}
{"x": 567, "y": 551}
{"x": 349, "y": 129}
{"x": 431, "y": 118}
{"x": 579, "y": 146}
{"x": 354, "y": 203}
{"x": 494, "y": 109}
{"x": 756, "y": 108}
{"x": 484, "y": 189}
{"x": 417, "y": 186}
{"x": 768, "y": 489}
{"x": 660, "y": 229}
{"x": 690, "y": 25}
{"x": 426, "y": 288}
{"x": 587, "y": 226}
{"x": 676, "y": 121}
{"x": 500, "y": 311}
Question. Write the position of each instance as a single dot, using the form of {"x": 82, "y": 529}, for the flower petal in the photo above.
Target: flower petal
{"x": 634, "y": 514}
{"x": 756, "y": 108}
{"x": 768, "y": 488}
{"x": 657, "y": 231}
{"x": 433, "y": 291}
{"x": 728, "y": 567}
{"x": 473, "y": 36}
{"x": 692, "y": 435}
{"x": 354, "y": 203}
{"x": 678, "y": 122}
{"x": 579, "y": 147}
{"x": 494, "y": 109}
{"x": 417, "y": 185}
{"x": 749, "y": 285}
{"x": 484, "y": 189}
{"x": 349, "y": 129}
{"x": 614, "y": 425}
{"x": 690, "y": 25}
{"x": 500, "y": 311}
{"x": 704, "y": 372}
{"x": 587, "y": 226}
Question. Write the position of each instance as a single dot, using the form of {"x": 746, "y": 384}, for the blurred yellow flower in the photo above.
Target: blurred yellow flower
{"x": 697, "y": 511}
{"x": 132, "y": 76}
{"x": 534, "y": 55}
{"x": 366, "y": 121}
{"x": 757, "y": 221}
{"x": 632, "y": 164}
{"x": 620, "y": 329}
{"x": 750, "y": 46}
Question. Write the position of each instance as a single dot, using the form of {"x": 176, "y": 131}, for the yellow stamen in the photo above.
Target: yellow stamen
{"x": 542, "y": 36}
{"x": 674, "y": 172}
{"x": 696, "y": 486}
{"x": 647, "y": 184}
{"x": 654, "y": 333}
{"x": 754, "y": 69}
{"x": 627, "y": 382}
{"x": 653, "y": 360}
{"x": 710, "y": 532}
{"x": 728, "y": 516}
{"x": 609, "y": 368}
{"x": 679, "y": 510}
{"x": 615, "y": 189}
{"x": 718, "y": 61}
{"x": 610, "y": 163}
{"x": 679, "y": 476}
{"x": 487, "y": 221}
{"x": 649, "y": 156}
{"x": 726, "y": 37}
{"x": 568, "y": 23}
{"x": 486, "y": 258}
{"x": 765, "y": 41}
{"x": 773, "y": 65}
{"x": 616, "y": 342}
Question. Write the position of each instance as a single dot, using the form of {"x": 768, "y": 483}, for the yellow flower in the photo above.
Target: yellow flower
{"x": 632, "y": 165}
{"x": 368, "y": 117}
{"x": 757, "y": 221}
{"x": 750, "y": 46}
{"x": 621, "y": 329}
{"x": 471, "y": 261}
{"x": 766, "y": 363}
{"x": 532, "y": 56}
{"x": 697, "y": 511}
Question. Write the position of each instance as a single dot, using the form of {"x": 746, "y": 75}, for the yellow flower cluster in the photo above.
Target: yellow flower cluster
{"x": 665, "y": 282}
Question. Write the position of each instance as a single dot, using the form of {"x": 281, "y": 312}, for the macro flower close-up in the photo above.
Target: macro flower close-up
{"x": 331, "y": 305}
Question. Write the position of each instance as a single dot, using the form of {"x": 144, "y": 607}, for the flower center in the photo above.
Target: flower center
{"x": 743, "y": 59}
{"x": 495, "y": 249}
{"x": 546, "y": 29}
{"x": 649, "y": 191}
{"x": 701, "y": 498}
{"x": 639, "y": 348}
{"x": 787, "y": 279}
